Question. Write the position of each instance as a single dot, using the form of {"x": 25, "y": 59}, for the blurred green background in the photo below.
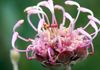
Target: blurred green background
{"x": 12, "y": 10}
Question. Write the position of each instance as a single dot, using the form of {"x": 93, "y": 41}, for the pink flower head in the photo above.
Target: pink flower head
{"x": 56, "y": 44}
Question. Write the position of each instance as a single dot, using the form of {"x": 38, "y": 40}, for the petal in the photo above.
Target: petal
{"x": 30, "y": 22}
{"x": 28, "y": 8}
{"x": 40, "y": 25}
{"x": 84, "y": 33}
{"x": 43, "y": 3}
{"x": 93, "y": 24}
{"x": 18, "y": 24}
{"x": 68, "y": 16}
{"x": 32, "y": 8}
{"x": 30, "y": 50}
{"x": 59, "y": 7}
{"x": 37, "y": 10}
{"x": 92, "y": 49}
{"x": 34, "y": 11}
{"x": 94, "y": 19}
{"x": 14, "y": 38}
{"x": 51, "y": 5}
{"x": 50, "y": 54}
{"x": 72, "y": 3}
{"x": 46, "y": 4}
{"x": 76, "y": 4}
{"x": 63, "y": 11}
{"x": 85, "y": 10}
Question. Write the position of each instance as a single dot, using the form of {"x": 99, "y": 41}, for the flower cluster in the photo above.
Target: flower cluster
{"x": 57, "y": 44}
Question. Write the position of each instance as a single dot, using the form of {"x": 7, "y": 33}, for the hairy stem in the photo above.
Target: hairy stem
{"x": 60, "y": 67}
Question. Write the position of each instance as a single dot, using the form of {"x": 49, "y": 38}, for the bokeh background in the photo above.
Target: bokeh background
{"x": 13, "y": 10}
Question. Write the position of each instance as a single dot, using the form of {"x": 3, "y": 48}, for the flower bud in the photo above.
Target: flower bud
{"x": 14, "y": 55}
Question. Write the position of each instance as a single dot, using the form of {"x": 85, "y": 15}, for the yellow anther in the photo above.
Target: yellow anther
{"x": 46, "y": 26}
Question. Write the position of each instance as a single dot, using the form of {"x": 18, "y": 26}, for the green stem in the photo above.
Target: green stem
{"x": 15, "y": 65}
{"x": 61, "y": 67}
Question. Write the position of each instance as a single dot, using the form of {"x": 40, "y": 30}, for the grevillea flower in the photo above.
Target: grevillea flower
{"x": 57, "y": 44}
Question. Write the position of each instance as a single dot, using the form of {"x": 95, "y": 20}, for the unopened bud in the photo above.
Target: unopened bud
{"x": 14, "y": 55}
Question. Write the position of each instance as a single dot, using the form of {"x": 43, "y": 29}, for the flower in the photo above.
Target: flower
{"x": 57, "y": 44}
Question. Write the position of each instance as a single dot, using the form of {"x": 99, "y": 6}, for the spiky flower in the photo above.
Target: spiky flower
{"x": 57, "y": 44}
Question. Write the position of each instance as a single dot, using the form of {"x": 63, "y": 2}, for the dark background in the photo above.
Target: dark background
{"x": 13, "y": 10}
